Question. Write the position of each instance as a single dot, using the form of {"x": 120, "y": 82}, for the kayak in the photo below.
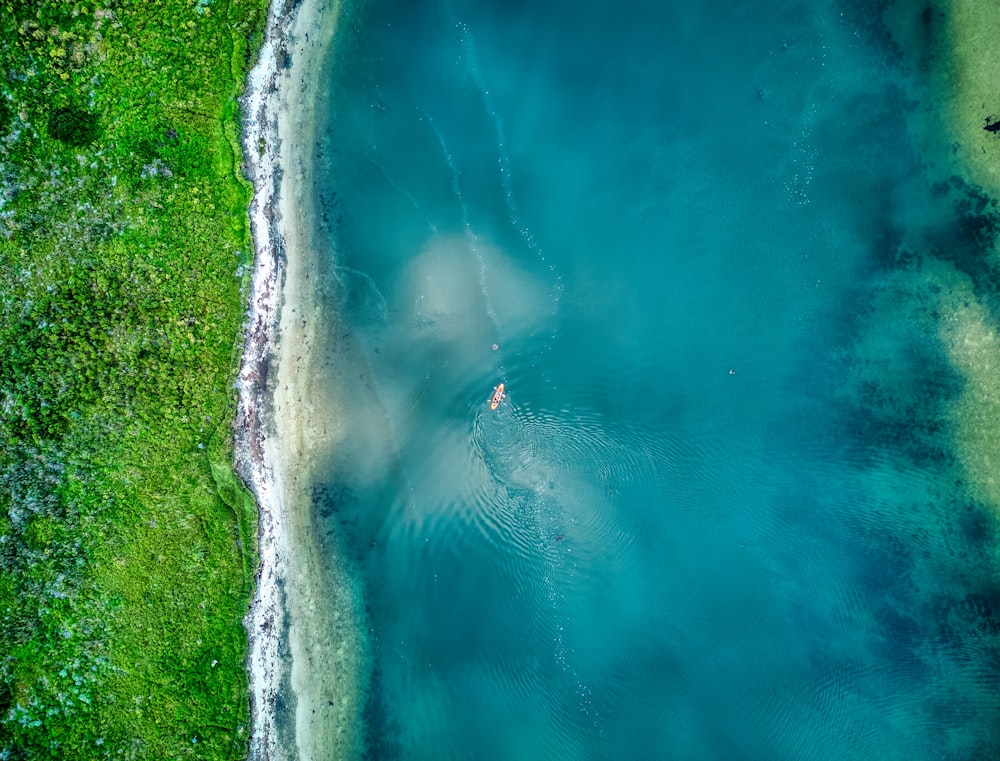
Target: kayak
{"x": 497, "y": 397}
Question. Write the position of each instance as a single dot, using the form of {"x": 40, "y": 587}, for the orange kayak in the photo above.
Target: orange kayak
{"x": 497, "y": 397}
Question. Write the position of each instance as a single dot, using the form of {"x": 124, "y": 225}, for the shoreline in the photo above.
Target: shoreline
{"x": 303, "y": 667}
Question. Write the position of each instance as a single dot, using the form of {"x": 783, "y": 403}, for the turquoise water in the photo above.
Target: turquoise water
{"x": 717, "y": 515}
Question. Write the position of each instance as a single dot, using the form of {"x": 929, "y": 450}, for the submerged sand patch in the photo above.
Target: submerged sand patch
{"x": 973, "y": 345}
{"x": 949, "y": 48}
{"x": 966, "y": 74}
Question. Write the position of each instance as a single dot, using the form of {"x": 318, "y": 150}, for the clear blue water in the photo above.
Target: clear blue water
{"x": 701, "y": 525}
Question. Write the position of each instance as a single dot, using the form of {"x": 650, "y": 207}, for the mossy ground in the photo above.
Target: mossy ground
{"x": 126, "y": 541}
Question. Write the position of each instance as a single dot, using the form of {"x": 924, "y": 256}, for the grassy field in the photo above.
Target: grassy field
{"x": 126, "y": 542}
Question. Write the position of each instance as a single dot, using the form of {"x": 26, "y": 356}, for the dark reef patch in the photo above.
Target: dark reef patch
{"x": 904, "y": 413}
{"x": 981, "y": 610}
{"x": 890, "y": 564}
{"x": 340, "y": 522}
{"x": 331, "y": 498}
{"x": 904, "y": 632}
{"x": 922, "y": 24}
{"x": 866, "y": 17}
{"x": 977, "y": 529}
{"x": 966, "y": 235}
{"x": 332, "y": 503}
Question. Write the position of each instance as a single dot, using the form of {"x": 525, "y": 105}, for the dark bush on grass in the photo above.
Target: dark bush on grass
{"x": 73, "y": 126}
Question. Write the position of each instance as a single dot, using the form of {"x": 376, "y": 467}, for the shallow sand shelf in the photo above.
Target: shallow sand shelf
{"x": 305, "y": 652}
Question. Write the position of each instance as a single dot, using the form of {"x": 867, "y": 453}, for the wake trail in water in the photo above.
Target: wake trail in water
{"x": 456, "y": 189}
{"x": 474, "y": 70}
{"x": 404, "y": 192}
{"x": 371, "y": 155}
{"x": 514, "y": 449}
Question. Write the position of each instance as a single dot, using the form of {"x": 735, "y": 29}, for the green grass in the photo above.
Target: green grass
{"x": 126, "y": 540}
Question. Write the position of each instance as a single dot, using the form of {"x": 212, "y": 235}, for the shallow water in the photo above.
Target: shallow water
{"x": 717, "y": 515}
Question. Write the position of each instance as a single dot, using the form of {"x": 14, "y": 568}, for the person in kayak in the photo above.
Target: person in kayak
{"x": 497, "y": 397}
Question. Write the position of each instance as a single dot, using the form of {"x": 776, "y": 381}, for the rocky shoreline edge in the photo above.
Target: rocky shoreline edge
{"x": 265, "y": 621}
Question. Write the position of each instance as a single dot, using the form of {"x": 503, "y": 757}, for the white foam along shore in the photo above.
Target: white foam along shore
{"x": 305, "y": 683}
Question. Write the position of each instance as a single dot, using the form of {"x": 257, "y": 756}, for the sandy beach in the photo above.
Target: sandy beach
{"x": 306, "y": 651}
